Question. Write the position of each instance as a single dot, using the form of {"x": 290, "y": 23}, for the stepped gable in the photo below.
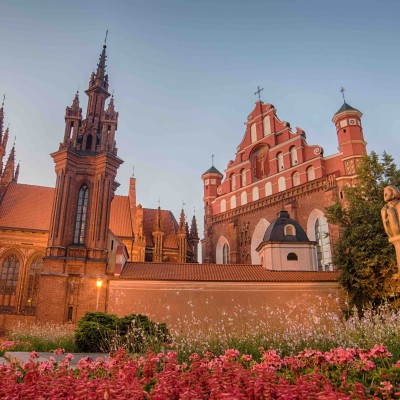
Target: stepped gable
{"x": 16, "y": 209}
{"x": 218, "y": 273}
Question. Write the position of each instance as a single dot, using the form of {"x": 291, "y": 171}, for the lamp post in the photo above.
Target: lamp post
{"x": 99, "y": 284}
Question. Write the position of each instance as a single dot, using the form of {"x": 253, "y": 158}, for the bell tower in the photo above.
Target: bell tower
{"x": 86, "y": 165}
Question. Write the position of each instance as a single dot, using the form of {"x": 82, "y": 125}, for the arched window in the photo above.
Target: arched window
{"x": 290, "y": 230}
{"x": 222, "y": 251}
{"x": 233, "y": 202}
{"x": 292, "y": 257}
{"x": 324, "y": 258}
{"x": 223, "y": 205}
{"x": 8, "y": 280}
{"x": 310, "y": 173}
{"x": 267, "y": 125}
{"x": 253, "y": 132}
{"x": 225, "y": 254}
{"x": 293, "y": 156}
{"x": 243, "y": 198}
{"x": 9, "y": 275}
{"x": 281, "y": 184}
{"x": 256, "y": 195}
{"x": 81, "y": 215}
{"x": 268, "y": 189}
{"x": 243, "y": 181}
{"x": 296, "y": 179}
{"x": 233, "y": 182}
{"x": 33, "y": 282}
{"x": 279, "y": 157}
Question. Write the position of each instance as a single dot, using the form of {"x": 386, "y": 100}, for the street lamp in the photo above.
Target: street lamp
{"x": 99, "y": 284}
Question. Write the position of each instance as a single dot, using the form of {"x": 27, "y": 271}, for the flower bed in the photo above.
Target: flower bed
{"x": 335, "y": 374}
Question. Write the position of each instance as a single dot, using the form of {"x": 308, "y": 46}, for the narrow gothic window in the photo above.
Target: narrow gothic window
{"x": 281, "y": 184}
{"x": 296, "y": 179}
{"x": 243, "y": 178}
{"x": 267, "y": 125}
{"x": 233, "y": 202}
{"x": 243, "y": 198}
{"x": 310, "y": 173}
{"x": 268, "y": 189}
{"x": 9, "y": 275}
{"x": 233, "y": 183}
{"x": 33, "y": 282}
{"x": 253, "y": 131}
{"x": 293, "y": 156}
{"x": 225, "y": 254}
{"x": 255, "y": 193}
{"x": 223, "y": 205}
{"x": 280, "y": 161}
{"x": 81, "y": 215}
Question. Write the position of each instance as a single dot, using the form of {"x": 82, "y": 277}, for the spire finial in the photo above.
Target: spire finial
{"x": 133, "y": 171}
{"x": 4, "y": 99}
{"x": 342, "y": 89}
{"x": 258, "y": 92}
{"x": 212, "y": 159}
{"x": 159, "y": 202}
{"x": 183, "y": 204}
{"x": 105, "y": 39}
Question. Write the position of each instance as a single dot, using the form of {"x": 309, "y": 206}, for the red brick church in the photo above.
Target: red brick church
{"x": 73, "y": 236}
{"x": 275, "y": 169}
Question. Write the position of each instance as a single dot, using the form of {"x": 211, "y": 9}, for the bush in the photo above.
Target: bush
{"x": 135, "y": 333}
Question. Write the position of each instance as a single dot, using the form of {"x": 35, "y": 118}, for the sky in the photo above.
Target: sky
{"x": 184, "y": 73}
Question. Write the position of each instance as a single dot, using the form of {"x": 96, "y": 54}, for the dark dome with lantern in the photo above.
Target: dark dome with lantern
{"x": 285, "y": 229}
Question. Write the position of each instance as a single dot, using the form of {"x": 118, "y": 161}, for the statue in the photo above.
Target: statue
{"x": 391, "y": 220}
{"x": 390, "y": 212}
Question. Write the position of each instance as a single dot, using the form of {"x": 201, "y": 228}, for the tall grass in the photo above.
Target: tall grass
{"x": 289, "y": 331}
{"x": 42, "y": 337}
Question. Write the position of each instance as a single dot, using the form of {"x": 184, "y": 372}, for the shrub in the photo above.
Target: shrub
{"x": 135, "y": 333}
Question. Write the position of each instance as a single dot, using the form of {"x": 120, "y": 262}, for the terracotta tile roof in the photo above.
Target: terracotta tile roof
{"x": 26, "y": 207}
{"x": 169, "y": 224}
{"x": 218, "y": 273}
{"x": 120, "y": 217}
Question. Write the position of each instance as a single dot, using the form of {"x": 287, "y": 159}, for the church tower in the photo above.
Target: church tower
{"x": 86, "y": 165}
{"x": 350, "y": 137}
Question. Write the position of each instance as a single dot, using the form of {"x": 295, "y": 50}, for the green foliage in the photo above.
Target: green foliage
{"x": 135, "y": 333}
{"x": 363, "y": 255}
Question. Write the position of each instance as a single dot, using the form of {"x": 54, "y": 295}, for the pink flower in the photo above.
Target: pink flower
{"x": 387, "y": 386}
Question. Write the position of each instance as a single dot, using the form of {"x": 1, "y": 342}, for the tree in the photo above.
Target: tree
{"x": 364, "y": 257}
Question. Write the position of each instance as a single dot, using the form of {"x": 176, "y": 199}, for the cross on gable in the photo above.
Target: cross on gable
{"x": 258, "y": 92}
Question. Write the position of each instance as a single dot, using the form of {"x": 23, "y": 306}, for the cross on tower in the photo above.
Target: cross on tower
{"x": 105, "y": 39}
{"x": 258, "y": 92}
{"x": 212, "y": 159}
{"x": 342, "y": 89}
{"x": 159, "y": 202}
{"x": 4, "y": 98}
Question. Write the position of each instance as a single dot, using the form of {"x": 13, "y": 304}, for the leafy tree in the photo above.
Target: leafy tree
{"x": 363, "y": 255}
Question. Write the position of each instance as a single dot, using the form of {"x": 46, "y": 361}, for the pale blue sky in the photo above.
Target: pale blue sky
{"x": 184, "y": 74}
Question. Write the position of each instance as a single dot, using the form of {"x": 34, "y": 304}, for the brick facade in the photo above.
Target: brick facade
{"x": 274, "y": 169}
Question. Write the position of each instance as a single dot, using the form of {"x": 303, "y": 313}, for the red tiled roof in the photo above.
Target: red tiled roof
{"x": 27, "y": 207}
{"x": 120, "y": 217}
{"x": 169, "y": 225}
{"x": 218, "y": 273}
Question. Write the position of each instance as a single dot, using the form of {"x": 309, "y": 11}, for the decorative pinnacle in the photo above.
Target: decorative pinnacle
{"x": 258, "y": 92}
{"x": 105, "y": 39}
{"x": 342, "y": 89}
{"x": 212, "y": 159}
{"x": 133, "y": 171}
{"x": 4, "y": 98}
